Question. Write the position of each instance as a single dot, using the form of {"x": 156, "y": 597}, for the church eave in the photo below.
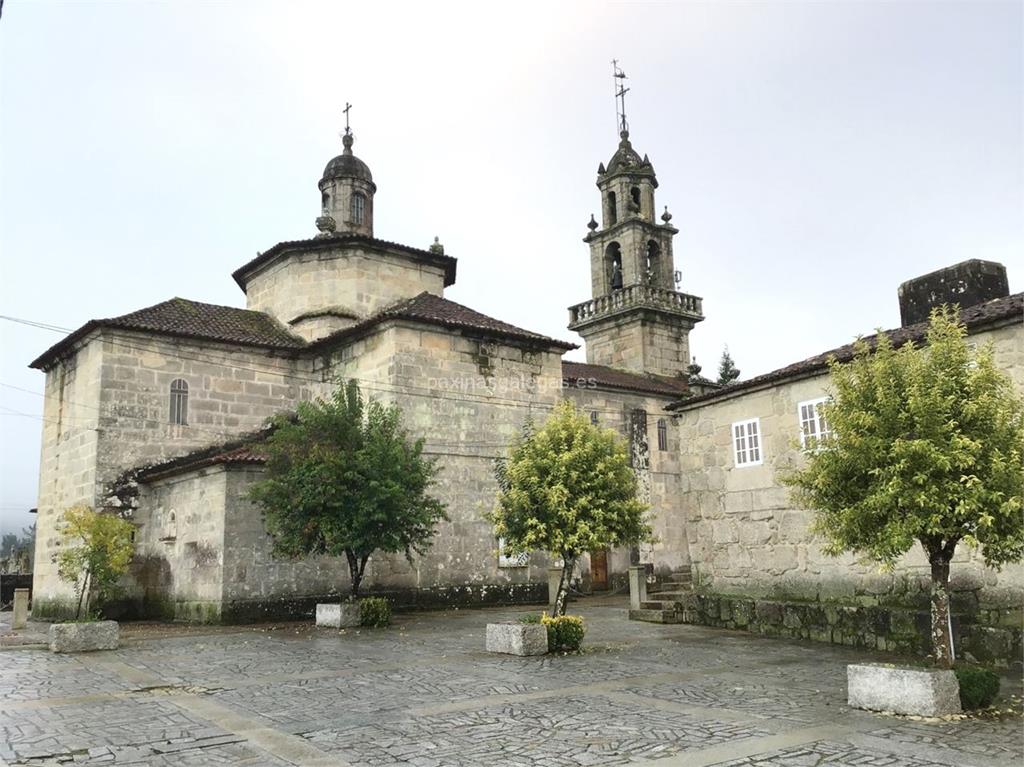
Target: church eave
{"x": 243, "y": 273}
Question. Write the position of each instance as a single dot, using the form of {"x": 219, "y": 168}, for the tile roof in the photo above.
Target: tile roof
{"x": 976, "y": 318}
{"x": 434, "y": 310}
{"x": 238, "y": 451}
{"x": 241, "y": 274}
{"x": 601, "y": 375}
{"x": 188, "y": 319}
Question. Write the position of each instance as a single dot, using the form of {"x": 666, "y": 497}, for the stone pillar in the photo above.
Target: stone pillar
{"x": 554, "y": 578}
{"x": 637, "y": 586}
{"x": 20, "y": 608}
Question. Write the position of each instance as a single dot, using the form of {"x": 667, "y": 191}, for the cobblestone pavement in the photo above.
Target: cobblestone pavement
{"x": 422, "y": 693}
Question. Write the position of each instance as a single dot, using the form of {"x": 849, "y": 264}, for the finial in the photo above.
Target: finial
{"x": 694, "y": 369}
{"x": 592, "y": 226}
{"x": 619, "y": 79}
{"x": 346, "y": 137}
{"x": 666, "y": 216}
{"x": 437, "y": 247}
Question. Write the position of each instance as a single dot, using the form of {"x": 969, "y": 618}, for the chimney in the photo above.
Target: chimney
{"x": 967, "y": 283}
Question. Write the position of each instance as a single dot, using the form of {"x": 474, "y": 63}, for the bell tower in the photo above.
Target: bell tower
{"x": 636, "y": 320}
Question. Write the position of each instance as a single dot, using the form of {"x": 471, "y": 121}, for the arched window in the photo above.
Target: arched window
{"x": 662, "y": 434}
{"x": 358, "y": 208}
{"x": 179, "y": 402}
{"x": 653, "y": 265}
{"x": 325, "y": 202}
{"x": 635, "y": 194}
{"x": 613, "y": 214}
{"x": 613, "y": 263}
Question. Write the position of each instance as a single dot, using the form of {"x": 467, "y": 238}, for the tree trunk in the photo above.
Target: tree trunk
{"x": 942, "y": 642}
{"x": 82, "y": 595}
{"x": 355, "y": 572}
{"x": 568, "y": 563}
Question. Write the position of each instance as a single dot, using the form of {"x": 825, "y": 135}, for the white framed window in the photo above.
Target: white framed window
{"x": 813, "y": 426}
{"x": 746, "y": 442}
{"x": 513, "y": 560}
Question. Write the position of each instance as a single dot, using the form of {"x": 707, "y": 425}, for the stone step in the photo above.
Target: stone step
{"x": 655, "y": 616}
{"x": 654, "y": 604}
{"x": 676, "y": 592}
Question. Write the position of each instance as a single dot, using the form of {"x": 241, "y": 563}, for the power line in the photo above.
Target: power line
{"x": 34, "y": 324}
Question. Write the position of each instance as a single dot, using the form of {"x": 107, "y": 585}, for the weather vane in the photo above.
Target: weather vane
{"x": 619, "y": 79}
{"x": 346, "y": 111}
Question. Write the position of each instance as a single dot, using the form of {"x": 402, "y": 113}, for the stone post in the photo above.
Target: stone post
{"x": 554, "y": 578}
{"x": 20, "y": 608}
{"x": 637, "y": 586}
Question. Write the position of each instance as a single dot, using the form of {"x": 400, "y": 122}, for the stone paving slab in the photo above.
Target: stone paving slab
{"x": 424, "y": 693}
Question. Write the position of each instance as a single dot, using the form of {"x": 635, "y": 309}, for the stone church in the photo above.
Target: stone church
{"x": 153, "y": 413}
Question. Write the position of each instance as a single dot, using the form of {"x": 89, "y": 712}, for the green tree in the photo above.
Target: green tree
{"x": 567, "y": 488}
{"x": 926, "y": 445}
{"x": 8, "y": 544}
{"x": 98, "y": 552}
{"x": 727, "y": 370}
{"x": 343, "y": 477}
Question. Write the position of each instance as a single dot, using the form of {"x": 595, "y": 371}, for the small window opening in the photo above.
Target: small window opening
{"x": 653, "y": 266}
{"x": 593, "y": 418}
{"x": 325, "y": 202}
{"x": 613, "y": 215}
{"x": 358, "y": 208}
{"x": 613, "y": 257}
{"x": 635, "y": 194}
{"x": 662, "y": 434}
{"x": 179, "y": 402}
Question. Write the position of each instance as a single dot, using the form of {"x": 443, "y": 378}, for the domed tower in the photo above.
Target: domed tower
{"x": 636, "y": 320}
{"x": 346, "y": 192}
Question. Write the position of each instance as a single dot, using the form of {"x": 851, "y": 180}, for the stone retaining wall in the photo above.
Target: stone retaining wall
{"x": 990, "y": 636}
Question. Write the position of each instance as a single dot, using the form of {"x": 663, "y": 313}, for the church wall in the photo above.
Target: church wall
{"x": 613, "y": 409}
{"x": 257, "y": 583}
{"x": 468, "y": 398}
{"x": 179, "y": 564}
{"x": 120, "y": 382}
{"x": 67, "y": 473}
{"x": 746, "y": 537}
{"x": 352, "y": 278}
{"x": 656, "y": 345}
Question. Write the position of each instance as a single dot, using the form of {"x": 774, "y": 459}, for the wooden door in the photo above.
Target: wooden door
{"x": 599, "y": 570}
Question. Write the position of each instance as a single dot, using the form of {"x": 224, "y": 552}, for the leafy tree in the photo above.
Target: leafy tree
{"x": 98, "y": 553}
{"x": 343, "y": 477}
{"x": 727, "y": 370}
{"x": 567, "y": 488}
{"x": 926, "y": 445}
{"x": 8, "y": 544}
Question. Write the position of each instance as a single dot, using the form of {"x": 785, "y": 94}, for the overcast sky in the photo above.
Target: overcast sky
{"x": 814, "y": 156}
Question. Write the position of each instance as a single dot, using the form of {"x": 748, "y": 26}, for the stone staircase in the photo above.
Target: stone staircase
{"x": 663, "y": 599}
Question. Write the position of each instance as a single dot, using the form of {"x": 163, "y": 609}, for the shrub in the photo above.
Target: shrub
{"x": 565, "y": 632}
{"x": 978, "y": 686}
{"x": 530, "y": 618}
{"x": 374, "y": 612}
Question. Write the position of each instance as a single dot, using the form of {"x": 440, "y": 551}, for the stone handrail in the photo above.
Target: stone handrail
{"x": 636, "y": 295}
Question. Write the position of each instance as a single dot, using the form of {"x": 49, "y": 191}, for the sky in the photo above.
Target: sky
{"x": 813, "y": 155}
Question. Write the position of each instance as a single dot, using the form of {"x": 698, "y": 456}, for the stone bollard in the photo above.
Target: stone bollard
{"x": 637, "y": 586}
{"x": 20, "y": 608}
{"x": 554, "y": 578}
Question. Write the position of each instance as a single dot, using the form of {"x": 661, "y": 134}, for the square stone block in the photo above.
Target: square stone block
{"x": 84, "y": 637}
{"x": 913, "y": 691}
{"x": 338, "y": 616}
{"x": 517, "y": 638}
